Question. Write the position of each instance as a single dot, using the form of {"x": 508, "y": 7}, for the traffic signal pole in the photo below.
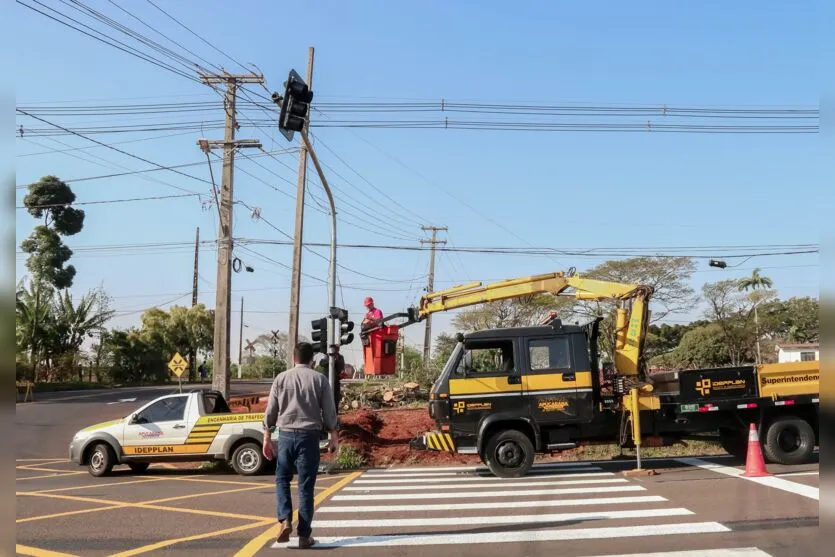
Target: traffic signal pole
{"x": 332, "y": 339}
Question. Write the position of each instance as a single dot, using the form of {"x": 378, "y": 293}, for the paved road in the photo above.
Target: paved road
{"x": 43, "y": 428}
{"x": 695, "y": 508}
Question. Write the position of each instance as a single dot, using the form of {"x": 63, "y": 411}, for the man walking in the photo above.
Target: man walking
{"x": 301, "y": 405}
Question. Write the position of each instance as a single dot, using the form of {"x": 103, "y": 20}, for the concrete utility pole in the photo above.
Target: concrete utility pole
{"x": 192, "y": 351}
{"x": 220, "y": 371}
{"x": 241, "y": 340}
{"x": 295, "y": 281}
{"x": 427, "y": 338}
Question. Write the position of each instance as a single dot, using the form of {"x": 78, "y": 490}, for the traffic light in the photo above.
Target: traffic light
{"x": 346, "y": 336}
{"x": 295, "y": 105}
{"x": 717, "y": 263}
{"x": 345, "y": 327}
{"x": 320, "y": 335}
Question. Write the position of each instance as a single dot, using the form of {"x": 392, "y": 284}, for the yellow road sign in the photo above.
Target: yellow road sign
{"x": 177, "y": 364}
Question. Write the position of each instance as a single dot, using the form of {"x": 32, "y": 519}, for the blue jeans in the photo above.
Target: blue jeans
{"x": 297, "y": 451}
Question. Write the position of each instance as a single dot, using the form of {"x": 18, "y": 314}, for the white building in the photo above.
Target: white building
{"x": 808, "y": 352}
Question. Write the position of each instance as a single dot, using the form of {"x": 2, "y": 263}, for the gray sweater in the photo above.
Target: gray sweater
{"x": 301, "y": 398}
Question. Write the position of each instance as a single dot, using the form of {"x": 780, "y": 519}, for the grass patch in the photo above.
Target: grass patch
{"x": 609, "y": 452}
{"x": 215, "y": 467}
{"x": 349, "y": 458}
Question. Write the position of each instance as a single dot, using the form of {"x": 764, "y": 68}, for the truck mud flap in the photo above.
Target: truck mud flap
{"x": 439, "y": 441}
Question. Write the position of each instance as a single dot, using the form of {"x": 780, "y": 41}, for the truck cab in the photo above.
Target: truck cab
{"x": 505, "y": 394}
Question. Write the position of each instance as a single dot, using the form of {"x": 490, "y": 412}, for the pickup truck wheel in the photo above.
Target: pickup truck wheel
{"x": 509, "y": 454}
{"x": 138, "y": 467}
{"x": 735, "y": 442}
{"x": 789, "y": 440}
{"x": 248, "y": 460}
{"x": 101, "y": 460}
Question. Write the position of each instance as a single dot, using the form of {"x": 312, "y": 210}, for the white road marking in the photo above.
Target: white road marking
{"x": 483, "y": 494}
{"x": 123, "y": 400}
{"x": 464, "y": 485}
{"x": 387, "y": 480}
{"x": 725, "y": 552}
{"x": 499, "y": 519}
{"x": 543, "y": 466}
{"x": 492, "y": 505}
{"x": 769, "y": 481}
{"x": 815, "y": 473}
{"x": 447, "y": 538}
{"x": 370, "y": 474}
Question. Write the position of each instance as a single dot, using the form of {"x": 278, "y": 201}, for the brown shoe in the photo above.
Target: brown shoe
{"x": 284, "y": 532}
{"x": 305, "y": 543}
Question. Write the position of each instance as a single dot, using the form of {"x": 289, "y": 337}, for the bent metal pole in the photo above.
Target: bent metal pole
{"x": 332, "y": 285}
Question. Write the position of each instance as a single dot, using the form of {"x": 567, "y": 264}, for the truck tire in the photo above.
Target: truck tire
{"x": 735, "y": 442}
{"x": 789, "y": 440}
{"x": 247, "y": 459}
{"x": 138, "y": 467}
{"x": 509, "y": 454}
{"x": 101, "y": 460}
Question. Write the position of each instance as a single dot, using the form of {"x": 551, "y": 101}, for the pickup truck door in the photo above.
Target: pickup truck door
{"x": 158, "y": 429}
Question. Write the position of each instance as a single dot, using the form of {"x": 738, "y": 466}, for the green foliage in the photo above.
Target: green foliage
{"x": 51, "y": 199}
{"x": 349, "y": 458}
{"x": 179, "y": 329}
{"x": 51, "y": 328}
{"x": 133, "y": 359}
{"x": 262, "y": 367}
{"x": 414, "y": 368}
{"x": 792, "y": 320}
{"x": 665, "y": 338}
{"x": 444, "y": 345}
{"x": 702, "y": 346}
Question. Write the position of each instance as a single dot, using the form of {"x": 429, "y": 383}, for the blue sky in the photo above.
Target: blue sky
{"x": 562, "y": 190}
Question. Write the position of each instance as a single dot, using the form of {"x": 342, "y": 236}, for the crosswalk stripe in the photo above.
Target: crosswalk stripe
{"x": 387, "y": 480}
{"x": 448, "y": 538}
{"x": 492, "y": 505}
{"x": 466, "y": 468}
{"x": 485, "y": 494}
{"x": 499, "y": 519}
{"x": 371, "y": 474}
{"x": 724, "y": 552}
{"x": 464, "y": 485}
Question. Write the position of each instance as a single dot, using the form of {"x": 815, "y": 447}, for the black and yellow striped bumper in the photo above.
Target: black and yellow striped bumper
{"x": 438, "y": 441}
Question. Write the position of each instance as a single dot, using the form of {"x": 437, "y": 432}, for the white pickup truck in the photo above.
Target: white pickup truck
{"x": 188, "y": 427}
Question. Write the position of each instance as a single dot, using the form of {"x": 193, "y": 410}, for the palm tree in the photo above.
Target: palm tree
{"x": 75, "y": 322}
{"x": 756, "y": 282}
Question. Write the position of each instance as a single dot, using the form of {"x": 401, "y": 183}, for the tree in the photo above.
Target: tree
{"x": 133, "y": 359}
{"x": 179, "y": 329}
{"x": 665, "y": 338}
{"x": 515, "y": 312}
{"x": 754, "y": 283}
{"x": 792, "y": 320}
{"x": 668, "y": 276}
{"x": 444, "y": 345}
{"x": 72, "y": 324}
{"x": 700, "y": 347}
{"x": 729, "y": 309}
{"x": 50, "y": 199}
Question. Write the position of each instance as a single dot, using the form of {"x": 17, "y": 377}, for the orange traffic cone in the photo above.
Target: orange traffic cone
{"x": 754, "y": 463}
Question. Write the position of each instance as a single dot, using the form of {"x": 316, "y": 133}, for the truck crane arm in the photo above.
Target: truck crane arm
{"x": 631, "y": 319}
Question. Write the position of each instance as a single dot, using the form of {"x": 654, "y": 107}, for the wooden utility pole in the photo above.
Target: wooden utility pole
{"x": 295, "y": 281}
{"x": 221, "y": 357}
{"x": 192, "y": 352}
{"x": 427, "y": 339}
{"x": 241, "y": 341}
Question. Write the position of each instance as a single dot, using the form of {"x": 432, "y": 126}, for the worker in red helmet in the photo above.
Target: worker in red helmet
{"x": 373, "y": 317}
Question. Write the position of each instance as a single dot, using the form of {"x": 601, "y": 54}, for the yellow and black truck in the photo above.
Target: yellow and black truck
{"x": 508, "y": 394}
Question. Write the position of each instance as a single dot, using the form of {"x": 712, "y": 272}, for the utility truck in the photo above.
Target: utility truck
{"x": 508, "y": 394}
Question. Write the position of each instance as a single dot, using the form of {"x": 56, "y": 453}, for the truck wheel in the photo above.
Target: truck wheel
{"x": 101, "y": 460}
{"x": 789, "y": 440}
{"x": 138, "y": 467}
{"x": 247, "y": 459}
{"x": 734, "y": 442}
{"x": 509, "y": 454}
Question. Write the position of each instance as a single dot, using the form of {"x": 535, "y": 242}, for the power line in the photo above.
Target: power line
{"x": 107, "y": 201}
{"x": 184, "y": 26}
{"x": 119, "y": 150}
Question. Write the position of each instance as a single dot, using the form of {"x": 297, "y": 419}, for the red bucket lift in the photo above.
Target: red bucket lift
{"x": 380, "y": 351}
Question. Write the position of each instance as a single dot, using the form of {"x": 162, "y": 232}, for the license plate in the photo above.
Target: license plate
{"x": 689, "y": 407}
